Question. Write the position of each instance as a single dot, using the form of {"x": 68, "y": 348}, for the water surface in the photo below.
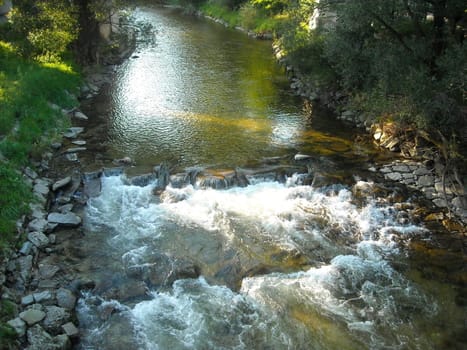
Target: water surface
{"x": 278, "y": 263}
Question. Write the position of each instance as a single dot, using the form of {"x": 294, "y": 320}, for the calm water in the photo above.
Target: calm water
{"x": 199, "y": 94}
{"x": 271, "y": 265}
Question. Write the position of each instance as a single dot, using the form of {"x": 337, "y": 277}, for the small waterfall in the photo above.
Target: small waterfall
{"x": 315, "y": 254}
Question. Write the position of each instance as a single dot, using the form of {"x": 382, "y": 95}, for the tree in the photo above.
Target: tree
{"x": 43, "y": 29}
{"x": 405, "y": 54}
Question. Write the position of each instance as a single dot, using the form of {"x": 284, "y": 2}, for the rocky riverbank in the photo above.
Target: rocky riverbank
{"x": 421, "y": 165}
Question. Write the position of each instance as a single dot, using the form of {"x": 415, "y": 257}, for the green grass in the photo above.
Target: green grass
{"x": 27, "y": 123}
{"x": 247, "y": 17}
{"x": 221, "y": 12}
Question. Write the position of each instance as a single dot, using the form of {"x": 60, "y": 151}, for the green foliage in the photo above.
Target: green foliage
{"x": 216, "y": 10}
{"x": 26, "y": 90}
{"x": 14, "y": 196}
{"x": 404, "y": 51}
{"x": 43, "y": 29}
{"x": 8, "y": 311}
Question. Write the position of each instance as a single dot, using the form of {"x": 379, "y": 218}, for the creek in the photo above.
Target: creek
{"x": 292, "y": 253}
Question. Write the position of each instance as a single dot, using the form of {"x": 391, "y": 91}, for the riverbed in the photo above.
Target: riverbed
{"x": 271, "y": 231}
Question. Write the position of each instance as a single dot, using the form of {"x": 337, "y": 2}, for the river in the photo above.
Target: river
{"x": 248, "y": 247}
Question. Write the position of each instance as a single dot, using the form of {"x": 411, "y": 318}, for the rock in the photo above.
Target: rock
{"x": 55, "y": 317}
{"x": 421, "y": 171}
{"x": 163, "y": 177}
{"x": 79, "y": 142}
{"x": 38, "y": 239}
{"x": 440, "y": 202}
{"x": 72, "y": 157}
{"x": 80, "y": 115}
{"x": 18, "y": 325}
{"x": 66, "y": 208}
{"x": 62, "y": 342}
{"x": 26, "y": 248}
{"x": 47, "y": 271}
{"x": 394, "y": 176}
{"x": 44, "y": 296}
{"x": 425, "y": 181}
{"x": 70, "y": 330}
{"x": 73, "y": 132}
{"x": 39, "y": 339}
{"x": 25, "y": 266}
{"x": 401, "y": 168}
{"x": 61, "y": 183}
{"x": 300, "y": 156}
{"x": 124, "y": 161}
{"x": 56, "y": 145}
{"x": 32, "y": 316}
{"x": 66, "y": 299}
{"x": 27, "y": 300}
{"x": 52, "y": 238}
{"x": 75, "y": 150}
{"x": 41, "y": 188}
{"x": 37, "y": 212}
{"x": 142, "y": 180}
{"x": 30, "y": 173}
{"x": 68, "y": 219}
{"x": 38, "y": 225}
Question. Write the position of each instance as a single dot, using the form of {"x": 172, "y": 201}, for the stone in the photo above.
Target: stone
{"x": 79, "y": 142}
{"x": 70, "y": 330}
{"x": 44, "y": 296}
{"x": 26, "y": 248}
{"x": 41, "y": 188}
{"x": 72, "y": 157}
{"x": 30, "y": 173}
{"x": 56, "y": 145}
{"x": 425, "y": 181}
{"x": 61, "y": 183}
{"x": 73, "y": 132}
{"x": 37, "y": 213}
{"x": 62, "y": 342}
{"x": 68, "y": 219}
{"x": 25, "y": 266}
{"x": 401, "y": 168}
{"x": 300, "y": 156}
{"x": 18, "y": 325}
{"x": 39, "y": 339}
{"x": 66, "y": 298}
{"x": 32, "y": 316}
{"x": 48, "y": 271}
{"x": 75, "y": 150}
{"x": 52, "y": 238}
{"x": 66, "y": 208}
{"x": 422, "y": 170}
{"x": 440, "y": 202}
{"x": 394, "y": 176}
{"x": 80, "y": 115}
{"x": 460, "y": 202}
{"x": 38, "y": 225}
{"x": 27, "y": 300}
{"x": 38, "y": 239}
{"x": 55, "y": 317}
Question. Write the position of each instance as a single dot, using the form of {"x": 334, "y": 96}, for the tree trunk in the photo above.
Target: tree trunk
{"x": 86, "y": 47}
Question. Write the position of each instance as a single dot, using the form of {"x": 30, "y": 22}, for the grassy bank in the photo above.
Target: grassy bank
{"x": 29, "y": 119}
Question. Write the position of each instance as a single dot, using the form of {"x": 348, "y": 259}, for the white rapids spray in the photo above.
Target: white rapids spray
{"x": 352, "y": 286}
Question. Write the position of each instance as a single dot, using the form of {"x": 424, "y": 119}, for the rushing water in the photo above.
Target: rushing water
{"x": 266, "y": 265}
